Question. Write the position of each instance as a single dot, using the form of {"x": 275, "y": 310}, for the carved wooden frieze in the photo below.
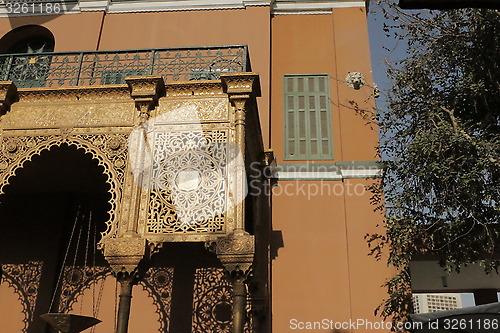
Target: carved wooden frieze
{"x": 193, "y": 110}
{"x": 56, "y": 108}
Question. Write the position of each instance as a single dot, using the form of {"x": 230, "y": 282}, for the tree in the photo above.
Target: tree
{"x": 440, "y": 145}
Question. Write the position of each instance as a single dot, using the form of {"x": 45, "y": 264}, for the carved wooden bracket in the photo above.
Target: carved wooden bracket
{"x": 8, "y": 95}
{"x": 125, "y": 253}
{"x": 236, "y": 251}
{"x": 241, "y": 84}
{"x": 145, "y": 90}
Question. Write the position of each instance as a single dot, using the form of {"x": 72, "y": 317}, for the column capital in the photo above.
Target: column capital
{"x": 124, "y": 254}
{"x": 236, "y": 252}
{"x": 241, "y": 84}
{"x": 145, "y": 90}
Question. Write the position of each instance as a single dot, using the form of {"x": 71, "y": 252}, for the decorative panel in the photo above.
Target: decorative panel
{"x": 188, "y": 183}
{"x": 71, "y": 108}
{"x": 25, "y": 280}
{"x": 192, "y": 111}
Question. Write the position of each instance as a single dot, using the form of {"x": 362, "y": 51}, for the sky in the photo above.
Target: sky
{"x": 379, "y": 41}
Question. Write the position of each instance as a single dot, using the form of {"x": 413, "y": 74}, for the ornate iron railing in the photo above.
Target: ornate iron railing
{"x": 53, "y": 69}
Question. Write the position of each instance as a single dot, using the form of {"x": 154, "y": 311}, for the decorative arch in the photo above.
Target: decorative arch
{"x": 110, "y": 150}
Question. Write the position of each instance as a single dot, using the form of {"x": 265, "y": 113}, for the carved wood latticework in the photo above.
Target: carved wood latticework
{"x": 75, "y": 281}
{"x": 25, "y": 280}
{"x": 174, "y": 157}
{"x": 191, "y": 199}
{"x": 158, "y": 283}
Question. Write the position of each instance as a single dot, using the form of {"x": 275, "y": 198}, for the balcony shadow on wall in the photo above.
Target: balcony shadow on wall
{"x": 200, "y": 295}
{"x": 276, "y": 243}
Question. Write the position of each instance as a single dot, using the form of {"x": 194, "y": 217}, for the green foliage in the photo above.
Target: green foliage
{"x": 441, "y": 145}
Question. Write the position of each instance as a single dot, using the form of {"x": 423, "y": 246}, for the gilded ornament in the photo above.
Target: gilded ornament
{"x": 11, "y": 146}
{"x": 119, "y": 163}
{"x": 114, "y": 144}
{"x": 188, "y": 182}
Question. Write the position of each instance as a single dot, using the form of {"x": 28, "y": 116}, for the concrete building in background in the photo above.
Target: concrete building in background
{"x": 424, "y": 303}
{"x": 208, "y": 159}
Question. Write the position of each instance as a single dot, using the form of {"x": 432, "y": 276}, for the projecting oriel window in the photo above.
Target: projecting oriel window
{"x": 308, "y": 132}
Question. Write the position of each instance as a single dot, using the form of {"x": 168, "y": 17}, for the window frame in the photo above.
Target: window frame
{"x": 319, "y": 138}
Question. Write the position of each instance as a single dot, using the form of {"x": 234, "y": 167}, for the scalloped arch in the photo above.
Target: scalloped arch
{"x": 109, "y": 150}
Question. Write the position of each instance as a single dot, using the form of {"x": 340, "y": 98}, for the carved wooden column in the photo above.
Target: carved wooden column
{"x": 241, "y": 88}
{"x": 145, "y": 91}
{"x": 236, "y": 251}
{"x": 124, "y": 255}
{"x": 126, "y": 252}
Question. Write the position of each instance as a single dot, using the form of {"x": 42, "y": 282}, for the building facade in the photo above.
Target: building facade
{"x": 187, "y": 166}
{"x": 423, "y": 303}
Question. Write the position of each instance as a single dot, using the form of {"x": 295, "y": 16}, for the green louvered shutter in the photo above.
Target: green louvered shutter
{"x": 308, "y": 133}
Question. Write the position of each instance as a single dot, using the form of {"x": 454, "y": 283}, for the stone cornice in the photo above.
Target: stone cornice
{"x": 279, "y": 7}
{"x": 287, "y": 7}
{"x": 333, "y": 171}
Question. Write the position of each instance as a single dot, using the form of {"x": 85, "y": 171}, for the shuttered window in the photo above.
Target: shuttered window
{"x": 308, "y": 133}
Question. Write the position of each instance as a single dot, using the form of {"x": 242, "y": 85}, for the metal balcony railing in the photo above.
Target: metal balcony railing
{"x": 53, "y": 69}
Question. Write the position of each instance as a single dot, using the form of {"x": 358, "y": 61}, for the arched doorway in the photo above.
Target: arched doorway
{"x": 51, "y": 216}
